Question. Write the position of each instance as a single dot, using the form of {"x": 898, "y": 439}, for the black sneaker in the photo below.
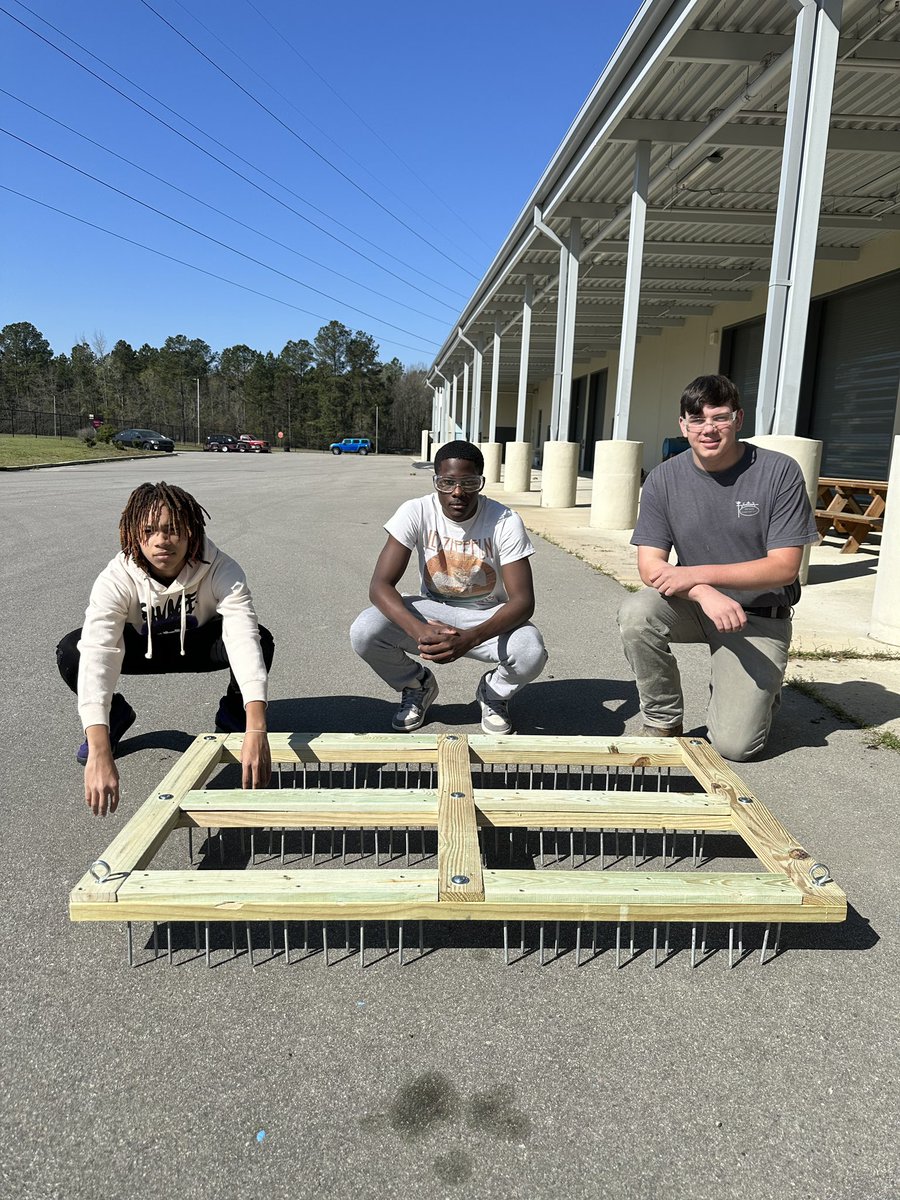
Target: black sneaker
{"x": 121, "y": 718}
{"x": 414, "y": 705}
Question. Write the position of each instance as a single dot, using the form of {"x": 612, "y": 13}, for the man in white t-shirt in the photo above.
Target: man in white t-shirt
{"x": 476, "y": 599}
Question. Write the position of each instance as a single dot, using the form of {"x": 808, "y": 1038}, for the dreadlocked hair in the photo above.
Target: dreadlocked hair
{"x": 143, "y": 509}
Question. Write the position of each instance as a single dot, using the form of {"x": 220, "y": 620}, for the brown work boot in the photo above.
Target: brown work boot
{"x": 659, "y": 731}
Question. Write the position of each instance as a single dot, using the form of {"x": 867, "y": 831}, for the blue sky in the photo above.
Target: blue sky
{"x": 437, "y": 122}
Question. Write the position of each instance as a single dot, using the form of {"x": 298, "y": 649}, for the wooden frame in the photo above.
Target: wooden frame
{"x": 121, "y": 886}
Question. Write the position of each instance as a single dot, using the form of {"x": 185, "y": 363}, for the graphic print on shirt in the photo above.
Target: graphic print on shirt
{"x": 459, "y": 567}
{"x": 166, "y": 617}
{"x": 747, "y": 508}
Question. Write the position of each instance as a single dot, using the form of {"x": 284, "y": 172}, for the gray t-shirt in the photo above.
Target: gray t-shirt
{"x": 738, "y": 515}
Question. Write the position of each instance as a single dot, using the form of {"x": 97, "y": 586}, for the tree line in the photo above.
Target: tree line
{"x": 313, "y": 392}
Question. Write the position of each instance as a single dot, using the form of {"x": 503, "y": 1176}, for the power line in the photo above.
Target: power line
{"x": 192, "y": 266}
{"x": 208, "y": 153}
{"x": 243, "y": 224}
{"x": 318, "y": 128}
{"x": 309, "y": 146}
{"x": 208, "y": 237}
{"x": 363, "y": 122}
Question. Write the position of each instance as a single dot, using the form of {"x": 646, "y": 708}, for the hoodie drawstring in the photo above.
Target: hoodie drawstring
{"x": 183, "y": 618}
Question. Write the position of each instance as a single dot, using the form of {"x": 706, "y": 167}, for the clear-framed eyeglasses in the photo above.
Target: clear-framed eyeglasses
{"x": 468, "y": 483}
{"x": 720, "y": 420}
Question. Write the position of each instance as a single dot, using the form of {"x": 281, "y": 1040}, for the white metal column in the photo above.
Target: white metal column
{"x": 632, "y": 296}
{"x": 495, "y": 384}
{"x": 796, "y": 224}
{"x": 453, "y": 408}
{"x": 527, "y": 304}
{"x": 558, "y": 345}
{"x": 465, "y": 403}
{"x": 568, "y": 346}
{"x": 477, "y": 365}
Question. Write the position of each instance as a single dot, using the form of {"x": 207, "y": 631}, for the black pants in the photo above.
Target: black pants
{"x": 204, "y": 650}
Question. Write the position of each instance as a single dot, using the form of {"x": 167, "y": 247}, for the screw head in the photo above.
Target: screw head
{"x": 745, "y": 799}
{"x": 451, "y": 737}
{"x": 165, "y": 796}
{"x": 457, "y": 795}
{"x": 209, "y": 737}
{"x": 460, "y": 879}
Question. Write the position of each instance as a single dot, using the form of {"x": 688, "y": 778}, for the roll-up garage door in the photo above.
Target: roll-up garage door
{"x": 857, "y": 376}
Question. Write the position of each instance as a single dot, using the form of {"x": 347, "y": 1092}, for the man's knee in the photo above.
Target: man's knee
{"x": 67, "y": 656}
{"x": 267, "y": 645}
{"x": 737, "y": 748}
{"x": 365, "y": 631}
{"x": 526, "y": 652}
{"x": 637, "y": 611}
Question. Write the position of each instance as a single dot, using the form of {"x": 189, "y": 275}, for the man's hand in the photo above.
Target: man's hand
{"x": 670, "y": 580}
{"x": 101, "y": 781}
{"x": 256, "y": 759}
{"x": 442, "y": 643}
{"x": 726, "y": 614}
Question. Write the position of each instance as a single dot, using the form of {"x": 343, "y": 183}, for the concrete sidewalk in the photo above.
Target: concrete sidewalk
{"x": 831, "y": 620}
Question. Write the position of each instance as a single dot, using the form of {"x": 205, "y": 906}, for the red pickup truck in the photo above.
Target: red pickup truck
{"x": 246, "y": 442}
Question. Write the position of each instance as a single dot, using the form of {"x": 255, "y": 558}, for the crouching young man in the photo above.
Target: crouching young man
{"x": 169, "y": 603}
{"x": 738, "y": 518}
{"x": 476, "y": 598}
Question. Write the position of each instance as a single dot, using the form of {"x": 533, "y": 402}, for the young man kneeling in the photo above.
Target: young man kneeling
{"x": 476, "y": 595}
{"x": 169, "y": 603}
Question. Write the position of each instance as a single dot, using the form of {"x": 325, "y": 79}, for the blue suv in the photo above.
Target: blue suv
{"x": 351, "y": 446}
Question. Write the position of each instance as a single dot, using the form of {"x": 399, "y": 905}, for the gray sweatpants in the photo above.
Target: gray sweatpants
{"x": 519, "y": 655}
{"x": 747, "y": 669}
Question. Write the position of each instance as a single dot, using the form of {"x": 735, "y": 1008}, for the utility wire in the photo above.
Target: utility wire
{"x": 374, "y": 132}
{"x": 228, "y": 150}
{"x": 220, "y": 212}
{"x": 318, "y": 128}
{"x": 193, "y": 267}
{"x": 208, "y": 237}
{"x": 309, "y": 146}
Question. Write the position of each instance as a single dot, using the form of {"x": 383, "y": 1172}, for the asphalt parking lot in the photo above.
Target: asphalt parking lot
{"x": 454, "y": 1075}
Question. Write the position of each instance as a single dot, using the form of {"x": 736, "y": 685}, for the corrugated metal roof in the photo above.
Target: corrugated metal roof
{"x": 713, "y": 49}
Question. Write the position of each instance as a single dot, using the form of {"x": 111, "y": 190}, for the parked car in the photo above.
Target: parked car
{"x": 143, "y": 439}
{"x": 221, "y": 442}
{"x": 258, "y": 445}
{"x": 351, "y": 446}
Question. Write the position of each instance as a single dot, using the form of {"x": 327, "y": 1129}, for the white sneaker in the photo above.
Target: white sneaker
{"x": 414, "y": 705}
{"x": 494, "y": 711}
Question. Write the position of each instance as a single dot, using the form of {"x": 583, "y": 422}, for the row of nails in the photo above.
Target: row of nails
{"x": 585, "y": 950}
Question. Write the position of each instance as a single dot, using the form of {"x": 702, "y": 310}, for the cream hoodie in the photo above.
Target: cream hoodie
{"x": 123, "y": 592}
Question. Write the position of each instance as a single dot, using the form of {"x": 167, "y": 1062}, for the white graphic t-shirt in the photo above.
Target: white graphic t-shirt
{"x": 459, "y": 562}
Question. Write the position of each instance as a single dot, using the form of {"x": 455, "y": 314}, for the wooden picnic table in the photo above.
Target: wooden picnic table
{"x": 853, "y": 507}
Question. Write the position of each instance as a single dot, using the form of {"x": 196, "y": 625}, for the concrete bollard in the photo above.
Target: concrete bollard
{"x": 617, "y": 484}
{"x": 885, "y": 625}
{"x": 492, "y": 452}
{"x": 559, "y": 474}
{"x": 426, "y": 437}
{"x": 517, "y": 476}
{"x": 808, "y": 454}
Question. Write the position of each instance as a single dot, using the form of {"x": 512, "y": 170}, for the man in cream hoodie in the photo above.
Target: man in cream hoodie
{"x": 170, "y": 602}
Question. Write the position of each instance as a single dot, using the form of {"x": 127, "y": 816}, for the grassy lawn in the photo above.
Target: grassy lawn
{"x": 32, "y": 451}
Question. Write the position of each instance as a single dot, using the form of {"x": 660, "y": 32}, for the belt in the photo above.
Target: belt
{"x": 775, "y": 613}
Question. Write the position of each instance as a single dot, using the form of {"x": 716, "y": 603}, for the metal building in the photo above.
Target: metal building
{"x": 728, "y": 198}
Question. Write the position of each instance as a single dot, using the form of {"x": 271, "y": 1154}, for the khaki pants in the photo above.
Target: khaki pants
{"x": 747, "y": 669}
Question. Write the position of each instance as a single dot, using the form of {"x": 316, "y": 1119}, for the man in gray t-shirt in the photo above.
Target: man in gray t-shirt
{"x": 738, "y": 518}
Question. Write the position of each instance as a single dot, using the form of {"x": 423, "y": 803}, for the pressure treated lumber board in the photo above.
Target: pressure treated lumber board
{"x": 459, "y": 853}
{"x": 379, "y": 894}
{"x": 340, "y": 748}
{"x": 368, "y": 808}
